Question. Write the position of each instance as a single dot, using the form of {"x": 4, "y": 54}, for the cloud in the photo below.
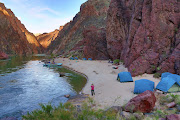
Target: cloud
{"x": 42, "y": 10}
{"x": 38, "y": 16}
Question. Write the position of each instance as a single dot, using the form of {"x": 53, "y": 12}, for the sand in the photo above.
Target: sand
{"x": 108, "y": 91}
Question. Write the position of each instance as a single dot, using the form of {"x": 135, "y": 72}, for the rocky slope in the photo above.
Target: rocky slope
{"x": 45, "y": 39}
{"x": 92, "y": 13}
{"x": 145, "y": 34}
{"x": 14, "y": 37}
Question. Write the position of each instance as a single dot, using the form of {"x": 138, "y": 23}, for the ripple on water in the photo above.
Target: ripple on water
{"x": 32, "y": 84}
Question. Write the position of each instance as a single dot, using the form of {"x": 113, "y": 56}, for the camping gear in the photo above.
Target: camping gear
{"x": 115, "y": 67}
{"x": 175, "y": 77}
{"x": 165, "y": 75}
{"x": 125, "y": 77}
{"x": 58, "y": 64}
{"x": 143, "y": 85}
{"x": 84, "y": 59}
{"x": 76, "y": 58}
{"x": 168, "y": 84}
{"x": 53, "y": 65}
{"x": 71, "y": 58}
{"x": 90, "y": 59}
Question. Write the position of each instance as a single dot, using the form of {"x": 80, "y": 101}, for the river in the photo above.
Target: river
{"x": 24, "y": 83}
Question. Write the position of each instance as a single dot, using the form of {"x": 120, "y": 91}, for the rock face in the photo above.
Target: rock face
{"x": 92, "y": 13}
{"x": 144, "y": 102}
{"x": 14, "y": 37}
{"x": 94, "y": 44}
{"x": 3, "y": 56}
{"x": 173, "y": 117}
{"x": 45, "y": 39}
{"x": 145, "y": 34}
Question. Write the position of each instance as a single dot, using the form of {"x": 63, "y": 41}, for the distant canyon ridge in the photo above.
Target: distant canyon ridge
{"x": 144, "y": 34}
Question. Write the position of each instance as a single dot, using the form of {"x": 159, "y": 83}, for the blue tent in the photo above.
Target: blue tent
{"x": 168, "y": 84}
{"x": 175, "y": 77}
{"x": 76, "y": 58}
{"x": 90, "y": 59}
{"x": 143, "y": 85}
{"x": 125, "y": 77}
{"x": 71, "y": 58}
{"x": 84, "y": 59}
{"x": 165, "y": 75}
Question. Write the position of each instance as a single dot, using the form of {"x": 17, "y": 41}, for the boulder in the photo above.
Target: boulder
{"x": 61, "y": 74}
{"x": 173, "y": 117}
{"x": 144, "y": 102}
{"x": 171, "y": 105}
{"x": 67, "y": 96}
{"x": 3, "y": 56}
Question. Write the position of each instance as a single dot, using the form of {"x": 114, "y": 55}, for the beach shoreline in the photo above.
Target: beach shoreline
{"x": 109, "y": 91}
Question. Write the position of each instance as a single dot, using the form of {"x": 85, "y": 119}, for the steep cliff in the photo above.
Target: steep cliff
{"x": 92, "y": 13}
{"x": 14, "y": 37}
{"x": 45, "y": 39}
{"x": 145, "y": 34}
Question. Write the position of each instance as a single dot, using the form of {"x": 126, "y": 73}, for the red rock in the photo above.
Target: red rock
{"x": 70, "y": 39}
{"x": 14, "y": 37}
{"x": 145, "y": 35}
{"x": 45, "y": 39}
{"x": 173, "y": 117}
{"x": 3, "y": 56}
{"x": 171, "y": 105}
{"x": 95, "y": 44}
{"x": 144, "y": 102}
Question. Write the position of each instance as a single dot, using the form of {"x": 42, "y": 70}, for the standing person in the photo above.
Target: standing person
{"x": 92, "y": 89}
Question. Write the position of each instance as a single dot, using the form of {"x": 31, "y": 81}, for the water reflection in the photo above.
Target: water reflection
{"x": 24, "y": 83}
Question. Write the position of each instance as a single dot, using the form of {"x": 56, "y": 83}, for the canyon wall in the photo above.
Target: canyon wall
{"x": 145, "y": 34}
{"x": 14, "y": 37}
{"x": 92, "y": 13}
{"x": 45, "y": 39}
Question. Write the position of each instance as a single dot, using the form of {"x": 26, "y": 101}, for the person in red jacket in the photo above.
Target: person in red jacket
{"x": 92, "y": 89}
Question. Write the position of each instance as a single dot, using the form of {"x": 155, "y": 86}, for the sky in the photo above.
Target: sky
{"x": 41, "y": 16}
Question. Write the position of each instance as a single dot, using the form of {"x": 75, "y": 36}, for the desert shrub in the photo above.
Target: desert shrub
{"x": 159, "y": 113}
{"x": 157, "y": 75}
{"x": 116, "y": 61}
{"x": 133, "y": 69}
{"x": 176, "y": 30}
{"x": 158, "y": 68}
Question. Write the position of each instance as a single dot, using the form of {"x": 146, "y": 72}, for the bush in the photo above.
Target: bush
{"x": 116, "y": 61}
{"x": 157, "y": 75}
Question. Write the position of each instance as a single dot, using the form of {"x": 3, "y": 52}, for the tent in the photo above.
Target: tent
{"x": 143, "y": 85}
{"x": 76, "y": 58}
{"x": 165, "y": 75}
{"x": 125, "y": 77}
{"x": 71, "y": 58}
{"x": 175, "y": 77}
{"x": 168, "y": 84}
{"x": 90, "y": 59}
{"x": 84, "y": 59}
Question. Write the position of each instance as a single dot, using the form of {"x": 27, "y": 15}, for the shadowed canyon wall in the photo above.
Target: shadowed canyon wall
{"x": 145, "y": 34}
{"x": 92, "y": 13}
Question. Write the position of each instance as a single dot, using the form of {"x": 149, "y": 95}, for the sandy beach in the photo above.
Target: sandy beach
{"x": 109, "y": 91}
